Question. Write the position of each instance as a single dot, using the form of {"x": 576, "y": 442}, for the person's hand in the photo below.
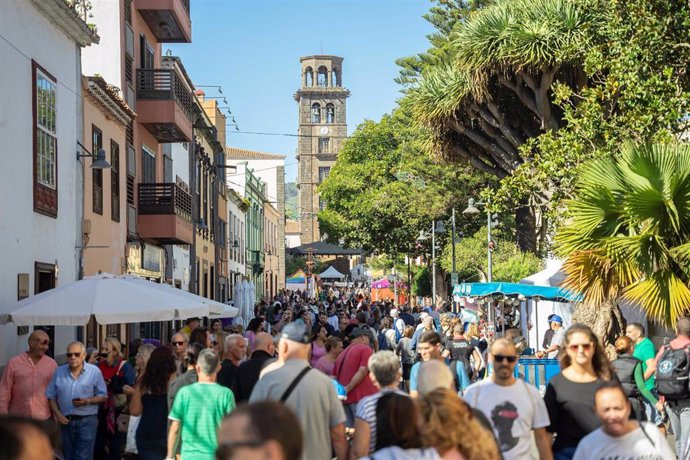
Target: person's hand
{"x": 659, "y": 406}
{"x": 61, "y": 419}
{"x": 79, "y": 402}
{"x": 539, "y": 354}
{"x": 129, "y": 391}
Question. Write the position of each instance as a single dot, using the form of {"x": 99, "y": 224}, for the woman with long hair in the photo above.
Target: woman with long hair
{"x": 318, "y": 344}
{"x": 150, "y": 402}
{"x": 569, "y": 395}
{"x": 142, "y": 358}
{"x": 118, "y": 374}
{"x": 326, "y": 364}
{"x": 255, "y": 326}
{"x": 398, "y": 435}
{"x": 449, "y": 426}
{"x": 202, "y": 336}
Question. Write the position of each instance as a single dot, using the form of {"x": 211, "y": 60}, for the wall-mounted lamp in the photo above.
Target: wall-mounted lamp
{"x": 99, "y": 161}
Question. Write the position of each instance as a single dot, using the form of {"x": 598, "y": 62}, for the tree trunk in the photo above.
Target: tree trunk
{"x": 606, "y": 321}
{"x": 526, "y": 226}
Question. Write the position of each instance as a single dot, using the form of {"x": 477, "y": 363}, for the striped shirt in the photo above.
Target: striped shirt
{"x": 366, "y": 410}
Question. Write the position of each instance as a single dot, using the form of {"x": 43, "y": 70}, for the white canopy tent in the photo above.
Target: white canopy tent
{"x": 111, "y": 300}
{"x": 331, "y": 273}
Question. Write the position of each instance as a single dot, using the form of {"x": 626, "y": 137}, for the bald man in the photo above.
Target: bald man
{"x": 248, "y": 373}
{"x": 26, "y": 377}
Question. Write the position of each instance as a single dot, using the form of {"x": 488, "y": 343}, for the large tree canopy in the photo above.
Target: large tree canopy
{"x": 384, "y": 189}
{"x": 529, "y": 90}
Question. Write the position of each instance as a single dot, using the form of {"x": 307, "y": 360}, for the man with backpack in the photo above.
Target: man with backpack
{"x": 672, "y": 372}
{"x": 429, "y": 347}
{"x": 460, "y": 349}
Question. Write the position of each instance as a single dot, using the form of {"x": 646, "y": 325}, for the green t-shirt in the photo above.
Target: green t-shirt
{"x": 200, "y": 408}
{"x": 645, "y": 351}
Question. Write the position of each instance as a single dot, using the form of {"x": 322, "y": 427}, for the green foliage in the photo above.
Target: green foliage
{"x": 510, "y": 264}
{"x": 383, "y": 189}
{"x": 421, "y": 285}
{"x": 629, "y": 230}
{"x": 637, "y": 88}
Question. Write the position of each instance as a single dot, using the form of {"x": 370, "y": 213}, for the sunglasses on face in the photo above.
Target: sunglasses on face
{"x": 501, "y": 358}
{"x": 73, "y": 355}
{"x": 178, "y": 344}
{"x": 585, "y": 347}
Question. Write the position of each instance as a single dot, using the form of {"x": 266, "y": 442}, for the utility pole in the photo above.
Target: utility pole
{"x": 454, "y": 275}
{"x": 433, "y": 264}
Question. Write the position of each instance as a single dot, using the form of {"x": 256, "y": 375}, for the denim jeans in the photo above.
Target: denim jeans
{"x": 79, "y": 438}
{"x": 566, "y": 453}
{"x": 679, "y": 416}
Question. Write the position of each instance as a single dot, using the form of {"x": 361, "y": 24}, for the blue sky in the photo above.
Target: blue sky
{"x": 252, "y": 49}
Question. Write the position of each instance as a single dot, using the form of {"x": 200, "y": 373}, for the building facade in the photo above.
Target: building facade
{"x": 40, "y": 181}
{"x": 273, "y": 269}
{"x": 237, "y": 238}
{"x": 104, "y": 227}
{"x": 270, "y": 168}
{"x": 322, "y": 129}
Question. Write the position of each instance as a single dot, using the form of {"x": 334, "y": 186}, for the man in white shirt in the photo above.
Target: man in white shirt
{"x": 557, "y": 339}
{"x": 514, "y": 407}
{"x": 620, "y": 437}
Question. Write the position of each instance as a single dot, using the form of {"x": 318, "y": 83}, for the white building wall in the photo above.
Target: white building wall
{"x": 27, "y": 237}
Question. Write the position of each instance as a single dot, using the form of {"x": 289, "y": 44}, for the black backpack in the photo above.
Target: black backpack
{"x": 672, "y": 372}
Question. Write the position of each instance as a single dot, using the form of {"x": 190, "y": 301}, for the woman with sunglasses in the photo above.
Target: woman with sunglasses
{"x": 569, "y": 395}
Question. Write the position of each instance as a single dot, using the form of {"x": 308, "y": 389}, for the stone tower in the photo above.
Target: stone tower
{"x": 322, "y": 129}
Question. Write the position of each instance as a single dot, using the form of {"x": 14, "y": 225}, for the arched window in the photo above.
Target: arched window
{"x": 330, "y": 113}
{"x": 315, "y": 113}
{"x": 308, "y": 77}
{"x": 335, "y": 81}
{"x": 322, "y": 77}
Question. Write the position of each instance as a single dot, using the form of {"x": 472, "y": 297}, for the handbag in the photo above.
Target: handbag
{"x": 131, "y": 444}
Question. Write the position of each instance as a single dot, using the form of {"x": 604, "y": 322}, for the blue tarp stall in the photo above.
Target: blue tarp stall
{"x": 520, "y": 291}
{"x": 554, "y": 294}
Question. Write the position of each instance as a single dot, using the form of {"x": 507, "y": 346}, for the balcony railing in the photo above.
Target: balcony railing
{"x": 165, "y": 198}
{"x": 164, "y": 85}
{"x": 185, "y": 3}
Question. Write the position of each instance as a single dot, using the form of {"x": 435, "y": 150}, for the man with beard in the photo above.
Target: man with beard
{"x": 514, "y": 407}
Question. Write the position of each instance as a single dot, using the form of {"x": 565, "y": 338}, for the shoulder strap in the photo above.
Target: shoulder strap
{"x": 342, "y": 363}
{"x": 294, "y": 383}
{"x": 647, "y": 436}
{"x": 119, "y": 368}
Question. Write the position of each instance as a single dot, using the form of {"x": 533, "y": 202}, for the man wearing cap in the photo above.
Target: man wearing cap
{"x": 548, "y": 334}
{"x": 309, "y": 393}
{"x": 556, "y": 341}
{"x": 351, "y": 370}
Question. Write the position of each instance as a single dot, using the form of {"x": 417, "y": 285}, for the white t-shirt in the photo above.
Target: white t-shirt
{"x": 514, "y": 411}
{"x": 633, "y": 446}
{"x": 557, "y": 339}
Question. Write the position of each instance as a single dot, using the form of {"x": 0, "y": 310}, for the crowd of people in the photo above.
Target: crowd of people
{"x": 347, "y": 378}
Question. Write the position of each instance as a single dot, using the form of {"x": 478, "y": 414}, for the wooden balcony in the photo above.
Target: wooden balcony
{"x": 165, "y": 213}
{"x": 164, "y": 105}
{"x": 168, "y": 20}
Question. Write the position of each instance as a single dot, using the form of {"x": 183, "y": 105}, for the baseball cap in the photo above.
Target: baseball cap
{"x": 550, "y": 317}
{"x": 556, "y": 319}
{"x": 297, "y": 332}
{"x": 360, "y": 331}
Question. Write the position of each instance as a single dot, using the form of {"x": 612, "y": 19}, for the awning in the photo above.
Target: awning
{"x": 331, "y": 273}
{"x": 322, "y": 248}
{"x": 554, "y": 294}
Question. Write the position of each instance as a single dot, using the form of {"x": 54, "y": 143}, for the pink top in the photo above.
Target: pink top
{"x": 317, "y": 351}
{"x": 23, "y": 386}
{"x": 326, "y": 366}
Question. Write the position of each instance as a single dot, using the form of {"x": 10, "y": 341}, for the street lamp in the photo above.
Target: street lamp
{"x": 436, "y": 227}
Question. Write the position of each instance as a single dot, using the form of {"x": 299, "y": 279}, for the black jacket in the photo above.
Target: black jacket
{"x": 226, "y": 374}
{"x": 247, "y": 375}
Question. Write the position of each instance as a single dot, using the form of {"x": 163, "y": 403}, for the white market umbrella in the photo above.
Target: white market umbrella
{"x": 111, "y": 300}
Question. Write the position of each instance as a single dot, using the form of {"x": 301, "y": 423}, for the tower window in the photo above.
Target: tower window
{"x": 309, "y": 77}
{"x": 324, "y": 145}
{"x": 324, "y": 171}
{"x": 335, "y": 81}
{"x": 315, "y": 113}
{"x": 330, "y": 113}
{"x": 322, "y": 77}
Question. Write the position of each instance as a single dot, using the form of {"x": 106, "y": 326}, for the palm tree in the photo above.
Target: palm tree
{"x": 629, "y": 233}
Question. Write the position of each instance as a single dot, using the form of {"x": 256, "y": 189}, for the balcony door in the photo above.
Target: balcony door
{"x": 148, "y": 166}
{"x": 146, "y": 53}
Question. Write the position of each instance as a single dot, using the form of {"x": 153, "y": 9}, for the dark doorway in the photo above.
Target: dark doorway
{"x": 44, "y": 280}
